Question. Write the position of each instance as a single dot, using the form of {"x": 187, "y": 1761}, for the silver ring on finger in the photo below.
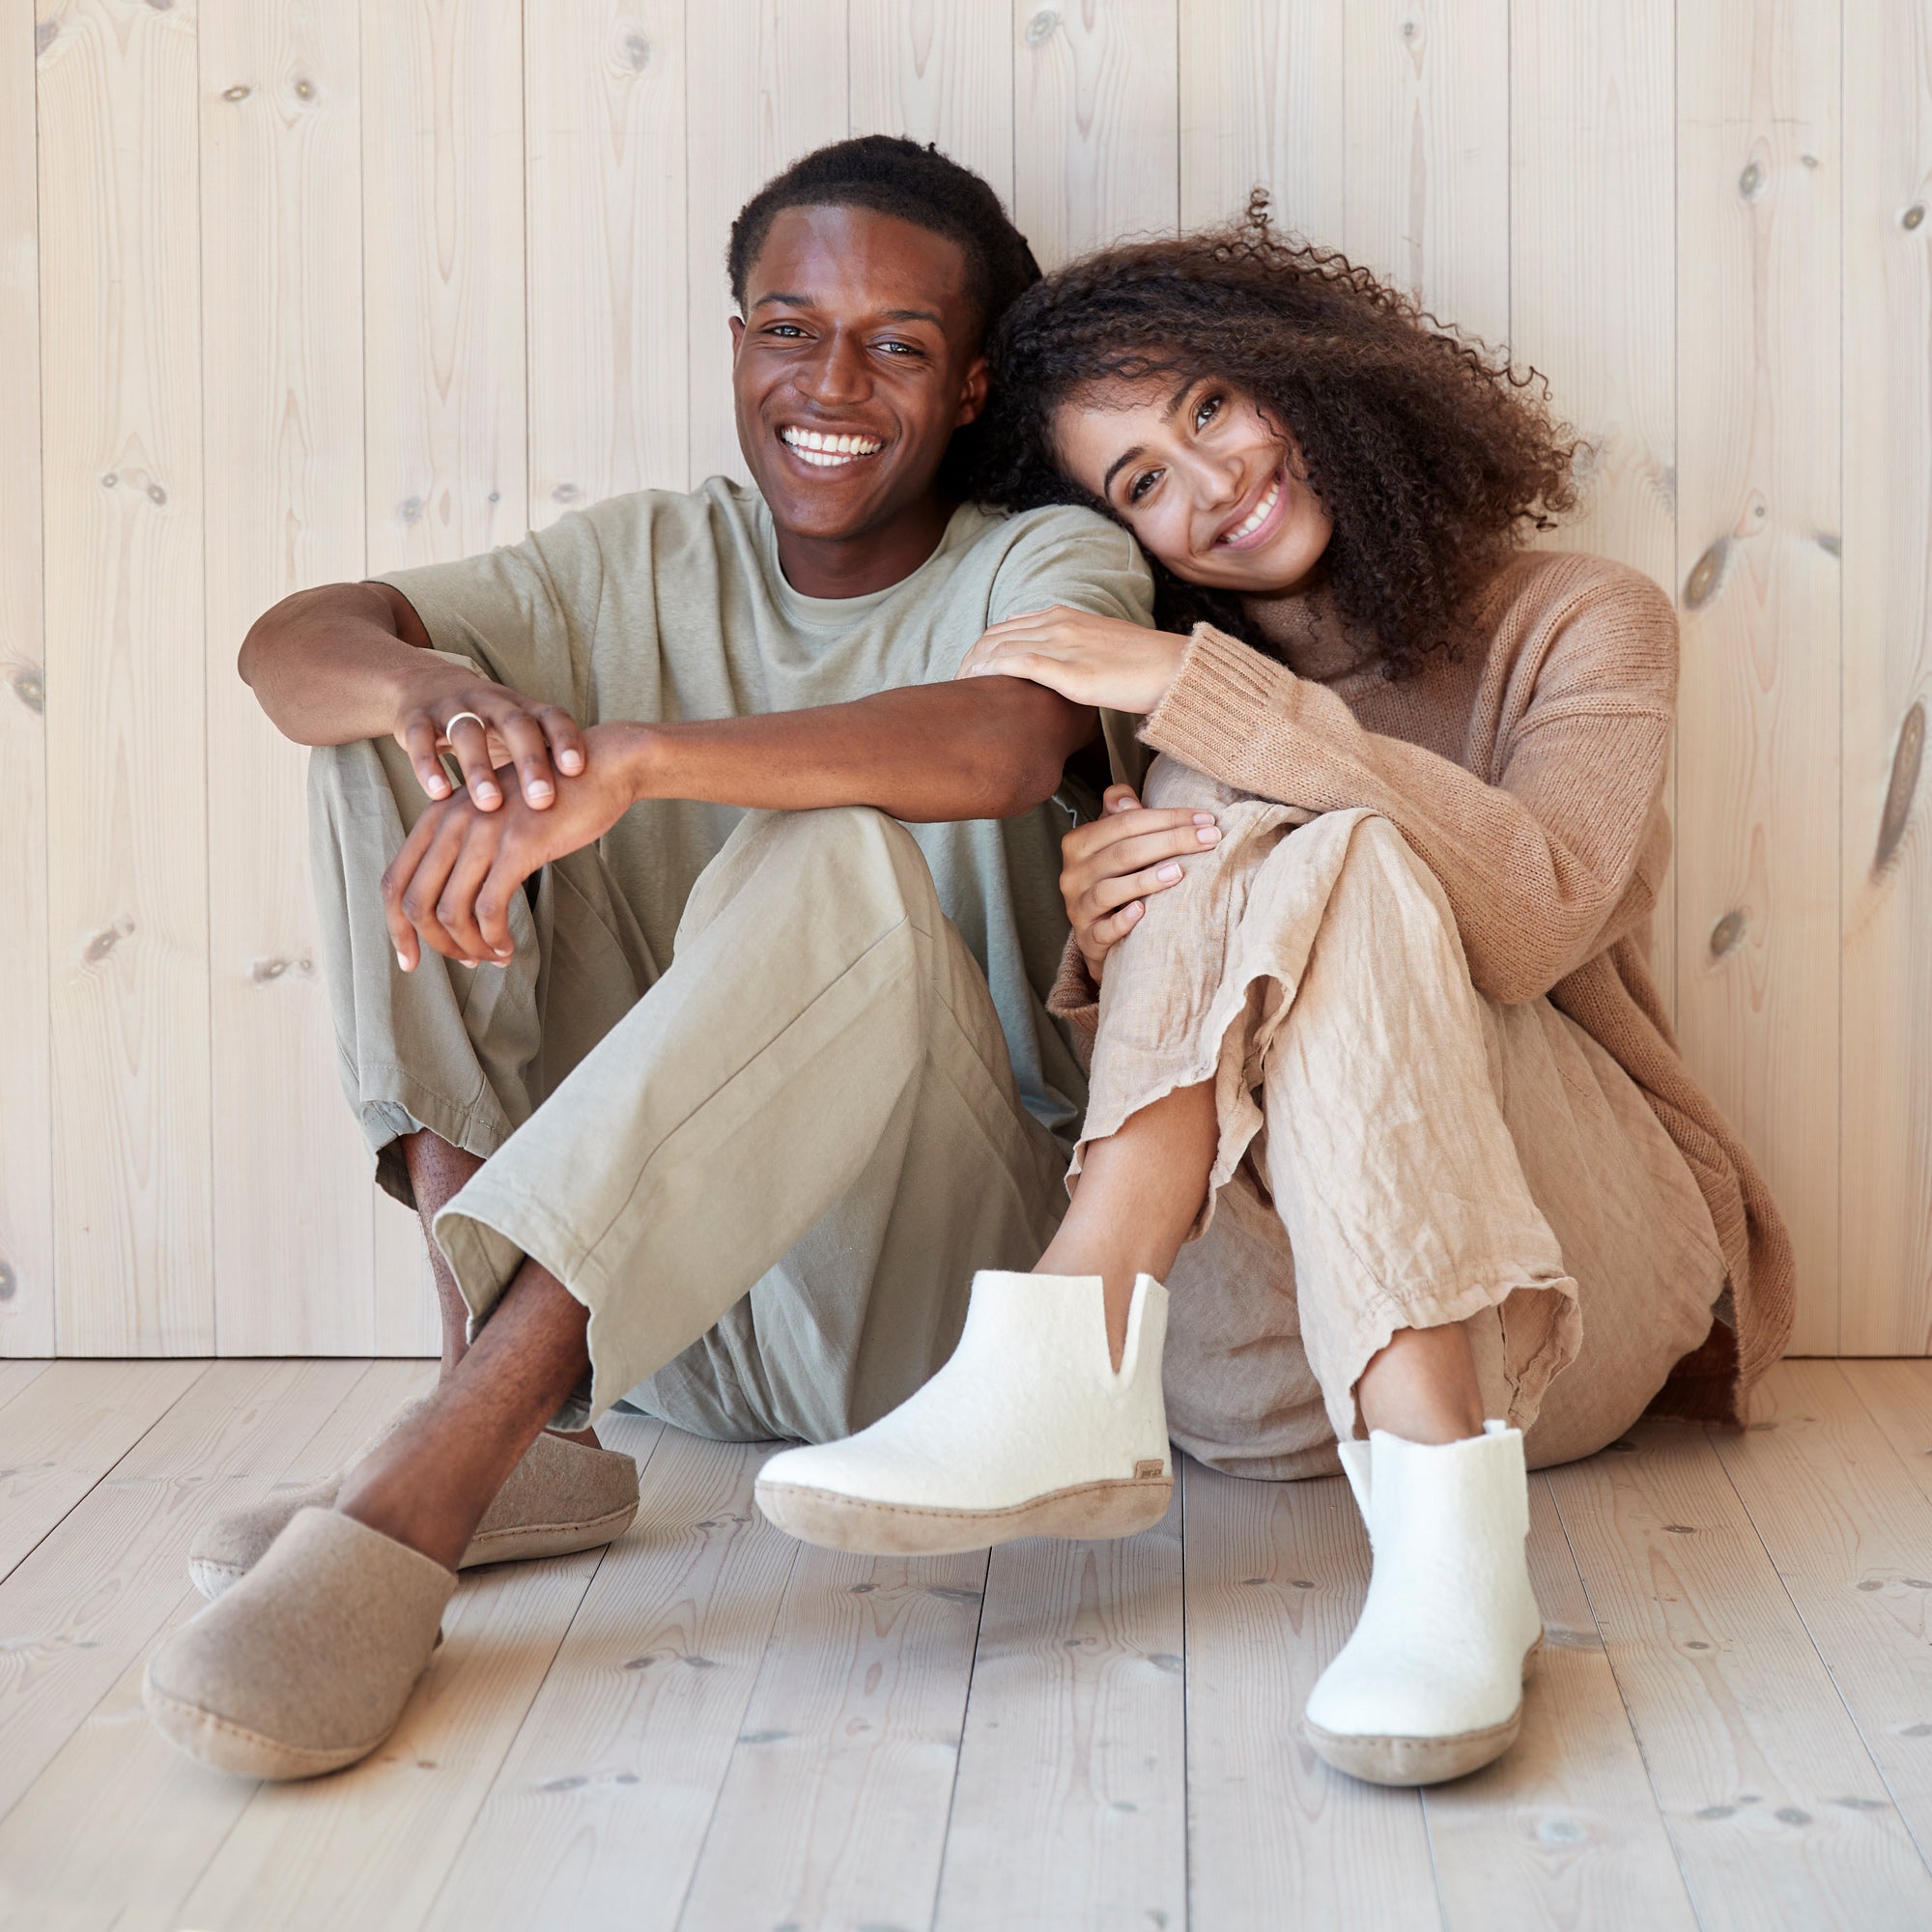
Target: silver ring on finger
{"x": 451, "y": 724}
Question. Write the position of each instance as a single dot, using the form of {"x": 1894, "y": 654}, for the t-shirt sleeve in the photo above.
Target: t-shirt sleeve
{"x": 525, "y": 614}
{"x": 1074, "y": 558}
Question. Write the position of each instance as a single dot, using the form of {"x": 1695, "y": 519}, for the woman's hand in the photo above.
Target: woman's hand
{"x": 1102, "y": 660}
{"x": 1111, "y": 868}
{"x": 442, "y": 711}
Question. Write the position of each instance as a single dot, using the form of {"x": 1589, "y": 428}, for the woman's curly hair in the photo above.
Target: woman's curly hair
{"x": 1432, "y": 455}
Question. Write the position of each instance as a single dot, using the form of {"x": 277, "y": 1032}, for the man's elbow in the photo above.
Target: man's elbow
{"x": 1025, "y": 748}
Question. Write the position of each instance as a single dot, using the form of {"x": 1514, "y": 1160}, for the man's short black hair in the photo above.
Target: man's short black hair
{"x": 894, "y": 176}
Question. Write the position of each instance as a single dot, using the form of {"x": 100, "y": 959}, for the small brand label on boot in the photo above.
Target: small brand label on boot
{"x": 1146, "y": 1472}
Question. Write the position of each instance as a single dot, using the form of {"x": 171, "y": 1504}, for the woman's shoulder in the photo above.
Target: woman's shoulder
{"x": 1557, "y": 603}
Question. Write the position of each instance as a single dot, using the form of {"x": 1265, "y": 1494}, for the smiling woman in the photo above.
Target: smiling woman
{"x": 1367, "y": 972}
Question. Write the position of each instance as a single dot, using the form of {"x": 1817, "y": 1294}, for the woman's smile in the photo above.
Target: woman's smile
{"x": 1254, "y": 526}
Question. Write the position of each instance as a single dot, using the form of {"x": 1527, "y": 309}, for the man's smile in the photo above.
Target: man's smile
{"x": 824, "y": 450}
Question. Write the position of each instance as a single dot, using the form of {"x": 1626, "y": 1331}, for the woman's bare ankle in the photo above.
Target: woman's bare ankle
{"x": 1422, "y": 1386}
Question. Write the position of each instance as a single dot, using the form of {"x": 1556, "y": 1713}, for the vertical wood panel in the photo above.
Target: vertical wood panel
{"x": 26, "y": 1171}
{"x": 1097, "y": 123}
{"x": 1758, "y": 581}
{"x": 121, "y": 351}
{"x": 1428, "y": 153}
{"x": 445, "y": 404}
{"x": 442, "y": 192}
{"x": 605, "y": 116}
{"x": 1592, "y": 285}
{"x": 1262, "y": 102}
{"x": 1886, "y": 994}
{"x": 938, "y": 71}
{"x": 282, "y": 297}
{"x": 766, "y": 83}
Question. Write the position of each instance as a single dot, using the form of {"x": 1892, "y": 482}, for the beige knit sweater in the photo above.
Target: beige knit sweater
{"x": 1527, "y": 775}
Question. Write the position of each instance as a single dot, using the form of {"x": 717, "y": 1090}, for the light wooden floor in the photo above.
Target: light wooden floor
{"x": 710, "y": 1728}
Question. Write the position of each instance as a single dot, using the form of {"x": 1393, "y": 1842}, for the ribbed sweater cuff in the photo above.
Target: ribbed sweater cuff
{"x": 1216, "y": 704}
{"x": 1075, "y": 999}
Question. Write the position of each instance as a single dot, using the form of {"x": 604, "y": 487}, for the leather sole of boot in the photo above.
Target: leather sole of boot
{"x": 524, "y": 1542}
{"x": 1087, "y": 1513}
{"x": 1412, "y": 1761}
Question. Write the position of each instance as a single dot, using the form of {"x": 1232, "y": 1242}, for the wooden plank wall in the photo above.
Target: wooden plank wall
{"x": 292, "y": 291}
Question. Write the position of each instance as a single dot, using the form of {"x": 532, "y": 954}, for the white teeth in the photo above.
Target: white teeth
{"x": 828, "y": 452}
{"x": 1256, "y": 517}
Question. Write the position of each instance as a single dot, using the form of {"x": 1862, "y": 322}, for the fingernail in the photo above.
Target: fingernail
{"x": 571, "y": 762}
{"x": 503, "y": 952}
{"x": 1134, "y": 910}
{"x": 486, "y": 794}
{"x": 1203, "y": 818}
{"x": 469, "y": 965}
{"x": 1209, "y": 833}
{"x": 1170, "y": 871}
{"x": 538, "y": 788}
{"x": 401, "y": 962}
{"x": 438, "y": 787}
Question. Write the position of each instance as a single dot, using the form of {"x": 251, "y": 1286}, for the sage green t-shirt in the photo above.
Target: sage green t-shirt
{"x": 665, "y": 606}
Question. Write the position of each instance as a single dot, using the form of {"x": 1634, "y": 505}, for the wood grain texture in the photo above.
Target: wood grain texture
{"x": 1885, "y": 995}
{"x": 1759, "y": 294}
{"x": 26, "y": 1146}
{"x": 1426, "y": 178}
{"x": 1851, "y": 1535}
{"x": 1070, "y": 1807}
{"x": 938, "y": 71}
{"x": 1776, "y": 1812}
{"x": 604, "y": 180}
{"x": 118, "y": 1828}
{"x": 1096, "y": 129}
{"x": 372, "y": 1845}
{"x": 282, "y": 429}
{"x": 1563, "y": 1831}
{"x": 600, "y": 1811}
{"x": 1900, "y": 1399}
{"x": 442, "y": 278}
{"x": 833, "y": 1812}
{"x": 771, "y": 77}
{"x": 84, "y": 1604}
{"x": 61, "y": 1434}
{"x": 126, "y": 810}
{"x": 1593, "y": 301}
{"x": 1263, "y": 105}
{"x": 1276, "y": 1574}
{"x": 405, "y": 1316}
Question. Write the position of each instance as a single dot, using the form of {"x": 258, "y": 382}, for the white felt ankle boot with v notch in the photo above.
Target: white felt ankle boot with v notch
{"x": 1431, "y": 1684}
{"x": 1029, "y": 1430}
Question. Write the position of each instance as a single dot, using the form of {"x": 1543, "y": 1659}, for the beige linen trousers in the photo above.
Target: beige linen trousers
{"x": 768, "y": 1167}
{"x": 1396, "y": 1151}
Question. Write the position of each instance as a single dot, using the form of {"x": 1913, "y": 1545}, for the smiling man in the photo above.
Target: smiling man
{"x": 715, "y": 1081}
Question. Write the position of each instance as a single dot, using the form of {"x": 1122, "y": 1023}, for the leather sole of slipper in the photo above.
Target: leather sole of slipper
{"x": 1412, "y": 1761}
{"x": 523, "y": 1544}
{"x": 1086, "y": 1512}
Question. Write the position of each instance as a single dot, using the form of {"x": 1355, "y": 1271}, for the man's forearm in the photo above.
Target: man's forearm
{"x": 985, "y": 748}
{"x": 329, "y": 666}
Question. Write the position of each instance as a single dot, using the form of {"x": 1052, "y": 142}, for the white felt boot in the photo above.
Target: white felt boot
{"x": 1027, "y": 1430}
{"x": 1429, "y": 1686}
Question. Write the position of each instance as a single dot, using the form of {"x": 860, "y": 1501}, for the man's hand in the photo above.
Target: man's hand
{"x": 1092, "y": 659}
{"x": 451, "y": 885}
{"x": 1112, "y": 867}
{"x": 488, "y": 726}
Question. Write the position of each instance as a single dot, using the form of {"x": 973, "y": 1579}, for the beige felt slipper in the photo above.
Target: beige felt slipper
{"x": 306, "y": 1665}
{"x": 562, "y": 1498}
